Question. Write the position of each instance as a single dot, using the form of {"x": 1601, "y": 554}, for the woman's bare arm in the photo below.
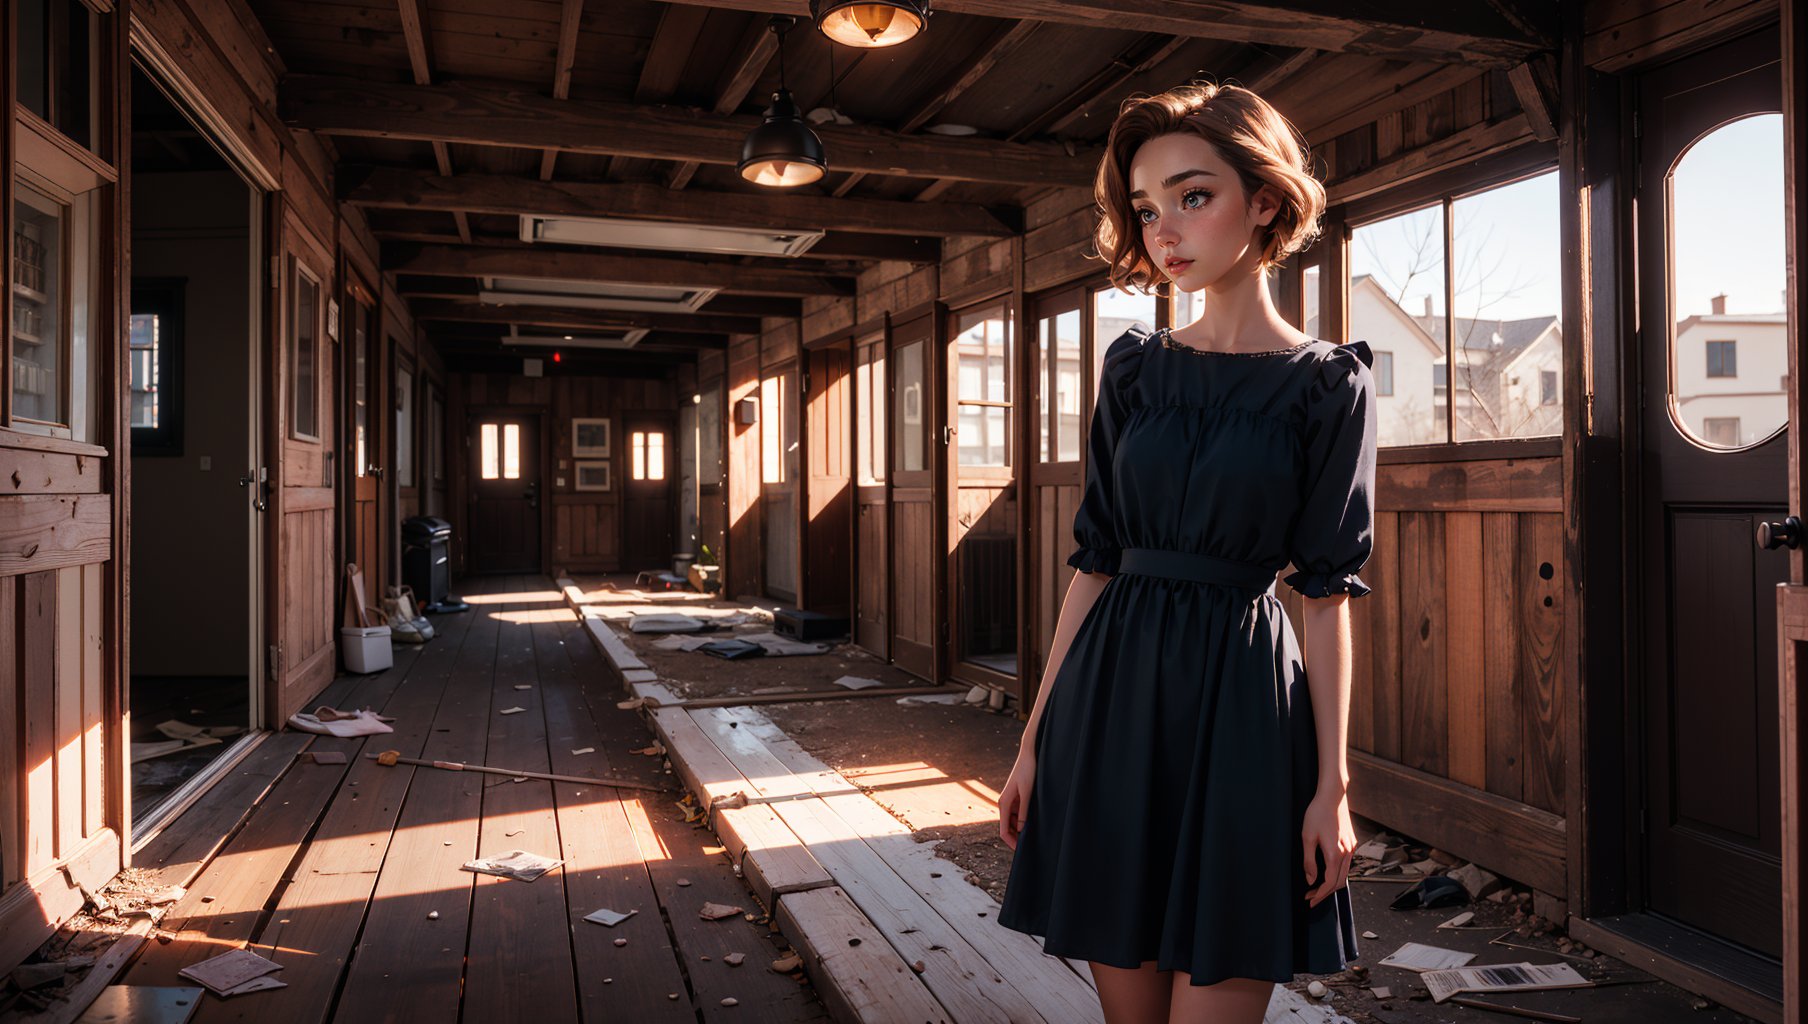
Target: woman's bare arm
{"x": 1328, "y": 670}
{"x": 1082, "y": 591}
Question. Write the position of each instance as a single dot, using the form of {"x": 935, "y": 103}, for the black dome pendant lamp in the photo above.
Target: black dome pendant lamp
{"x": 870, "y": 24}
{"x": 782, "y": 152}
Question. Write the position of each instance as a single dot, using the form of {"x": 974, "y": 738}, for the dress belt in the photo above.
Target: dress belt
{"x": 1184, "y": 565}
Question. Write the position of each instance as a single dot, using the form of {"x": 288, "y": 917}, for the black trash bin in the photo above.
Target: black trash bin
{"x": 427, "y": 565}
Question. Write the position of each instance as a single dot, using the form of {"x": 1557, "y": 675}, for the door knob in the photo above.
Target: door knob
{"x": 1786, "y": 534}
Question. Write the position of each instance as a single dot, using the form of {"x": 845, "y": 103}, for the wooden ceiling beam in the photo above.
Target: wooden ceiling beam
{"x": 1419, "y": 30}
{"x": 662, "y": 68}
{"x": 564, "y": 57}
{"x": 397, "y": 188}
{"x": 550, "y": 265}
{"x": 420, "y": 63}
{"x": 487, "y": 116}
{"x": 584, "y": 319}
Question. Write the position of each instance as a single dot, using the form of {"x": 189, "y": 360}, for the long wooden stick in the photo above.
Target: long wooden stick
{"x": 394, "y": 757}
{"x": 1516, "y": 1011}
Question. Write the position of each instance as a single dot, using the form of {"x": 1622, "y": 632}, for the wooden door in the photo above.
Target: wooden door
{"x": 872, "y": 549}
{"x": 779, "y": 469}
{"x": 360, "y": 453}
{"x": 648, "y": 511}
{"x": 1059, "y": 396}
{"x": 1792, "y": 603}
{"x": 505, "y": 493}
{"x": 302, "y": 587}
{"x": 916, "y": 530}
{"x": 828, "y": 497}
{"x": 1715, "y": 465}
{"x": 981, "y": 361}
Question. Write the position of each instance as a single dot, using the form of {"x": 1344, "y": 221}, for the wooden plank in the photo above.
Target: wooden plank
{"x": 858, "y": 974}
{"x": 34, "y": 472}
{"x": 1542, "y": 573}
{"x": 1478, "y": 485}
{"x": 1465, "y": 701}
{"x": 1515, "y": 839}
{"x": 1423, "y": 633}
{"x": 41, "y": 532}
{"x": 32, "y": 910}
{"x": 177, "y": 853}
{"x": 519, "y": 963}
{"x": 699, "y": 272}
{"x": 406, "y": 965}
{"x": 1466, "y": 144}
{"x": 37, "y": 672}
{"x": 94, "y": 705}
{"x": 68, "y": 709}
{"x": 12, "y": 763}
{"x": 920, "y": 935}
{"x": 1500, "y": 653}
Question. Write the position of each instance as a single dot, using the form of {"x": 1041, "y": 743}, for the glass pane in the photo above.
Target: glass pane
{"x": 55, "y": 64}
{"x": 910, "y": 400}
{"x": 1397, "y": 306}
{"x": 863, "y": 415}
{"x": 709, "y": 440}
{"x": 303, "y": 358}
{"x": 1728, "y": 347}
{"x": 487, "y": 434}
{"x": 436, "y": 436}
{"x": 982, "y": 345}
{"x": 360, "y": 389}
{"x": 143, "y": 342}
{"x": 39, "y": 331}
{"x": 1506, "y": 249}
{"x": 1067, "y": 386}
{"x": 879, "y": 420}
{"x": 772, "y": 471}
{"x": 511, "y": 451}
{"x": 1311, "y": 285}
{"x": 1113, "y": 311}
{"x": 656, "y": 456}
{"x": 404, "y": 427}
{"x": 638, "y": 445}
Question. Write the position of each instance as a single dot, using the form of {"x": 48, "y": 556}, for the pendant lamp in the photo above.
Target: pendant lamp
{"x": 782, "y": 152}
{"x": 870, "y": 24}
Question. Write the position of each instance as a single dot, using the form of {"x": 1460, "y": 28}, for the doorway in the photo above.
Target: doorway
{"x": 1713, "y": 365}
{"x": 647, "y": 512}
{"x": 983, "y": 494}
{"x": 364, "y": 433}
{"x": 195, "y": 496}
{"x": 505, "y": 493}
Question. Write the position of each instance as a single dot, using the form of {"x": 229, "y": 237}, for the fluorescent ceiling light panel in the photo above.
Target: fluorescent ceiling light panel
{"x": 596, "y": 295}
{"x": 669, "y": 236}
{"x": 607, "y": 339}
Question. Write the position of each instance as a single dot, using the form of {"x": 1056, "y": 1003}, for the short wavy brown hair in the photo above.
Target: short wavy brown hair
{"x": 1254, "y": 138}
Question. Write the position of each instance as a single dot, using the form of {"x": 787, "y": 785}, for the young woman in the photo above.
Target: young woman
{"x": 1178, "y": 807}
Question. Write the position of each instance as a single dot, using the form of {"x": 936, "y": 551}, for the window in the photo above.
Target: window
{"x": 499, "y": 451}
{"x": 648, "y": 447}
{"x": 909, "y": 404}
{"x": 154, "y": 340}
{"x": 774, "y": 410}
{"x": 1384, "y": 374}
{"x": 40, "y": 316}
{"x": 1113, "y": 312}
{"x": 869, "y": 412}
{"x": 58, "y": 58}
{"x": 360, "y": 387}
{"x": 491, "y": 468}
{"x": 1721, "y": 430}
{"x": 1463, "y": 295}
{"x": 1547, "y": 387}
{"x": 404, "y": 414}
{"x": 304, "y": 355}
{"x": 1058, "y": 368}
{"x": 436, "y": 436}
{"x": 983, "y": 346}
{"x": 1723, "y": 359}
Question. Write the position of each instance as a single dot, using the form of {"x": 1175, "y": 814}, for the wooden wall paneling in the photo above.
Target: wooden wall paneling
{"x": 52, "y": 531}
{"x": 1541, "y": 697}
{"x": 1622, "y": 34}
{"x": 95, "y": 706}
{"x": 1503, "y": 594}
{"x": 182, "y": 50}
{"x": 1476, "y": 485}
{"x": 1468, "y": 623}
{"x": 1424, "y": 631}
{"x": 12, "y": 703}
{"x": 23, "y": 471}
{"x": 38, "y": 678}
{"x": 68, "y": 712}
{"x": 1383, "y": 575}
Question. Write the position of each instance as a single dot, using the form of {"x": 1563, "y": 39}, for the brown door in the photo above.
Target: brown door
{"x": 648, "y": 513}
{"x": 916, "y": 576}
{"x": 828, "y": 497}
{"x": 1058, "y": 394}
{"x": 779, "y": 469}
{"x": 360, "y": 453}
{"x": 505, "y": 493}
{"x": 982, "y": 489}
{"x": 302, "y": 624}
{"x": 872, "y": 550}
{"x": 1793, "y": 599}
{"x": 1715, "y": 464}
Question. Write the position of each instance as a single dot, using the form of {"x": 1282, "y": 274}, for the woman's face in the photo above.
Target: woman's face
{"x": 1196, "y": 222}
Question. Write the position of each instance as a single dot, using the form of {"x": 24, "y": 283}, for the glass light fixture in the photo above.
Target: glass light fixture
{"x": 782, "y": 152}
{"x": 870, "y": 24}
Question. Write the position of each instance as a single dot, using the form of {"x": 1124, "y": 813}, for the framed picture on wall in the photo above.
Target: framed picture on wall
{"x": 590, "y": 438}
{"x": 592, "y": 476}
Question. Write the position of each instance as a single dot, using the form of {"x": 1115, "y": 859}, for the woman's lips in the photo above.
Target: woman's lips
{"x": 1178, "y": 266}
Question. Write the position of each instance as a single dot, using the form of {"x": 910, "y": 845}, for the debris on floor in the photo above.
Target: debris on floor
{"x": 182, "y": 736}
{"x": 858, "y": 682}
{"x": 516, "y": 864}
{"x": 1524, "y": 977}
{"x": 609, "y": 918}
{"x": 327, "y": 721}
{"x": 234, "y": 972}
{"x": 1416, "y": 956}
{"x": 665, "y": 622}
{"x": 323, "y": 757}
{"x": 718, "y": 911}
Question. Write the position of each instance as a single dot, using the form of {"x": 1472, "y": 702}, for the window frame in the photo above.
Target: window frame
{"x": 164, "y": 297}
{"x": 298, "y": 269}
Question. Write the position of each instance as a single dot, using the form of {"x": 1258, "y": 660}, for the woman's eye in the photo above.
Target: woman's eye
{"x": 1140, "y": 217}
{"x": 1201, "y": 193}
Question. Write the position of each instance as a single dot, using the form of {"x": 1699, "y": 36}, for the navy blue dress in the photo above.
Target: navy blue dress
{"x": 1176, "y": 754}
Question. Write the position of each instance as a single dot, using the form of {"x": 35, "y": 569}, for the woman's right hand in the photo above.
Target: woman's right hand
{"x": 1014, "y": 800}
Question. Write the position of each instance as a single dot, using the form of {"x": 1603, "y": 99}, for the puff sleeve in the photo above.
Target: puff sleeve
{"x": 1095, "y": 522}
{"x": 1334, "y": 532}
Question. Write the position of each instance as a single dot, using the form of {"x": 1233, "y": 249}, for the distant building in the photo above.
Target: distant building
{"x": 1731, "y": 384}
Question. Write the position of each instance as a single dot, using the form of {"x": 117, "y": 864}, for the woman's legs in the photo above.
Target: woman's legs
{"x": 1132, "y": 996}
{"x": 1234, "y": 1001}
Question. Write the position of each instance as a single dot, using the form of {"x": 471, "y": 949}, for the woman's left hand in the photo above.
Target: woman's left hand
{"x": 1327, "y": 829}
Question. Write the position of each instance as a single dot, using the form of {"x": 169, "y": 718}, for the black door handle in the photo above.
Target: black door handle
{"x": 1786, "y": 534}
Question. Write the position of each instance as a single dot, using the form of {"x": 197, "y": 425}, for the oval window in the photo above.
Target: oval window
{"x": 1729, "y": 357}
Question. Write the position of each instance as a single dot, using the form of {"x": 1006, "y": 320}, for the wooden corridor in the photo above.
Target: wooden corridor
{"x": 335, "y": 870}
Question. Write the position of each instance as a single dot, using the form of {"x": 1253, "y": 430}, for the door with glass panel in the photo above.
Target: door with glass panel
{"x": 1713, "y": 356}
{"x": 872, "y": 552}
{"x": 504, "y": 493}
{"x": 982, "y": 495}
{"x": 360, "y": 451}
{"x": 828, "y": 503}
{"x": 648, "y": 512}
{"x": 1059, "y": 396}
{"x": 779, "y": 488}
{"x": 914, "y": 530}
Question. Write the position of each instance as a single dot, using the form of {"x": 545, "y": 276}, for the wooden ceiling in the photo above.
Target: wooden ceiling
{"x": 451, "y": 118}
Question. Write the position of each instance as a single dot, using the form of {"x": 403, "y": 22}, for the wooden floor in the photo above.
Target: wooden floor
{"x": 336, "y": 871}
